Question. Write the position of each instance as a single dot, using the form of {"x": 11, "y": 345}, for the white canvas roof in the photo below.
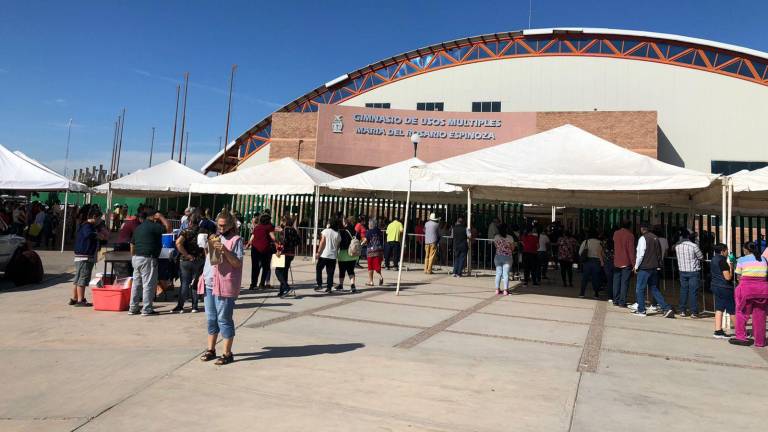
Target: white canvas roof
{"x": 391, "y": 182}
{"x": 74, "y": 186}
{"x": 568, "y": 166}
{"x": 17, "y": 173}
{"x": 166, "y": 179}
{"x": 280, "y": 177}
{"x": 750, "y": 181}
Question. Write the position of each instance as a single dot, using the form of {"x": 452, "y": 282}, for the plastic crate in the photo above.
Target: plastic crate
{"x": 111, "y": 298}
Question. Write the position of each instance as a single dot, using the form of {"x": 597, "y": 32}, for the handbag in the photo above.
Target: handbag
{"x": 278, "y": 261}
{"x": 584, "y": 255}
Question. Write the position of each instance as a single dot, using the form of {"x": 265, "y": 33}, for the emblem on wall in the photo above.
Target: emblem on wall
{"x": 337, "y": 125}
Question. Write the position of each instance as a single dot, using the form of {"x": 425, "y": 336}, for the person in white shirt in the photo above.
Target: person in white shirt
{"x": 326, "y": 254}
{"x": 689, "y": 259}
{"x": 543, "y": 252}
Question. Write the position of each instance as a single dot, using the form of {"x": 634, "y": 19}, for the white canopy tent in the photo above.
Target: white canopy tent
{"x": 392, "y": 181}
{"x": 169, "y": 178}
{"x": 74, "y": 186}
{"x": 567, "y": 166}
{"x": 20, "y": 172}
{"x": 280, "y": 177}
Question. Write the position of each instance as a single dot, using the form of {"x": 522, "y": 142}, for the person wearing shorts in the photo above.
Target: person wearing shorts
{"x": 721, "y": 269}
{"x": 374, "y": 247}
{"x": 86, "y": 247}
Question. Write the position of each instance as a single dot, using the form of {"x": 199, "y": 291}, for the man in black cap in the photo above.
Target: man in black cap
{"x": 647, "y": 266}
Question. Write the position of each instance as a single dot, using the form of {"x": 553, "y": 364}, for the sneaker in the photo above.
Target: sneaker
{"x": 195, "y": 310}
{"x": 339, "y": 287}
{"x": 683, "y": 314}
{"x": 639, "y": 314}
{"x": 134, "y": 312}
{"x": 653, "y": 309}
{"x": 352, "y": 288}
{"x": 83, "y": 303}
{"x": 734, "y": 341}
{"x": 328, "y": 290}
{"x": 633, "y": 306}
{"x": 610, "y": 301}
{"x": 506, "y": 292}
{"x": 318, "y": 288}
{"x": 72, "y": 302}
{"x": 669, "y": 314}
{"x": 150, "y": 313}
{"x": 182, "y": 311}
{"x": 720, "y": 334}
{"x": 695, "y": 316}
{"x": 498, "y": 292}
{"x": 581, "y": 295}
{"x": 177, "y": 309}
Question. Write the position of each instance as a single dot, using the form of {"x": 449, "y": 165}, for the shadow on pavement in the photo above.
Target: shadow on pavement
{"x": 298, "y": 351}
{"x": 49, "y": 280}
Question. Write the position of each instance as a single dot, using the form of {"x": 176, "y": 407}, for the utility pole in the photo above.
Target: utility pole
{"x": 229, "y": 104}
{"x": 184, "y": 113}
{"x": 219, "y": 143}
{"x": 66, "y": 155}
{"x": 175, "y": 121}
{"x": 120, "y": 143}
{"x": 186, "y": 148}
{"x": 151, "y": 147}
{"x": 114, "y": 152}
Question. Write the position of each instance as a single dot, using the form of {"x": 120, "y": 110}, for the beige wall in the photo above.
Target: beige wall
{"x": 701, "y": 116}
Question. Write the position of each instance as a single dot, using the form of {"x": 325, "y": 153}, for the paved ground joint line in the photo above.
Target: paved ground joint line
{"x": 444, "y": 324}
{"x": 590, "y": 355}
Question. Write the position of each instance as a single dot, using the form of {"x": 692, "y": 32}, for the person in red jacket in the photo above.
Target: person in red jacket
{"x": 531, "y": 268}
{"x": 623, "y": 261}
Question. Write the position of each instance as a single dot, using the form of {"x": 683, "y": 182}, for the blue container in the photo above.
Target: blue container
{"x": 168, "y": 241}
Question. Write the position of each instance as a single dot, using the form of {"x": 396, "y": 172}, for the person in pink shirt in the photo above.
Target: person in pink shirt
{"x": 623, "y": 261}
{"x": 221, "y": 286}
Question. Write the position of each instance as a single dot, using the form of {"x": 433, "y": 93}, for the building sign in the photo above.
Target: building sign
{"x": 347, "y": 135}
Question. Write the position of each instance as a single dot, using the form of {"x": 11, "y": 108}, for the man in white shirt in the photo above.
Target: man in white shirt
{"x": 543, "y": 252}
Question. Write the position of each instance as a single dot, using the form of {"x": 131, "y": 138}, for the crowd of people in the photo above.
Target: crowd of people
{"x": 210, "y": 251}
{"x": 37, "y": 221}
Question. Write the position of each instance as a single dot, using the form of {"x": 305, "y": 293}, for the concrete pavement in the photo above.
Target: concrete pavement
{"x": 445, "y": 355}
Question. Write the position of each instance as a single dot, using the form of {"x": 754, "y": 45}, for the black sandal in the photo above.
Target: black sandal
{"x": 225, "y": 359}
{"x": 208, "y": 355}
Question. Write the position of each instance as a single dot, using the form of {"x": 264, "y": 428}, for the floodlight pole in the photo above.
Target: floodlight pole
{"x": 66, "y": 154}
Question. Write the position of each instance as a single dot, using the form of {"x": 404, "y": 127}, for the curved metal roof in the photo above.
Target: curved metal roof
{"x": 724, "y": 59}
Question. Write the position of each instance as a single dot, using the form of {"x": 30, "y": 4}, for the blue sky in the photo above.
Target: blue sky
{"x": 87, "y": 59}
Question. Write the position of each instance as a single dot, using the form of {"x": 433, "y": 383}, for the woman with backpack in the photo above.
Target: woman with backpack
{"x": 286, "y": 239}
{"x": 751, "y": 296}
{"x": 347, "y": 258}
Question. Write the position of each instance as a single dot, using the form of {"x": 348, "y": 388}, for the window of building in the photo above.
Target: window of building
{"x": 429, "y": 106}
{"x": 378, "y": 105}
{"x": 731, "y": 167}
{"x": 486, "y": 106}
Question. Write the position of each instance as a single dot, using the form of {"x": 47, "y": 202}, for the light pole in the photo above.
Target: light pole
{"x": 415, "y": 138}
{"x": 66, "y": 155}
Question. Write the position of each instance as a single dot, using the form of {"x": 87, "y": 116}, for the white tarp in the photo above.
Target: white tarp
{"x": 169, "y": 178}
{"x": 18, "y": 174}
{"x": 568, "y": 166}
{"x": 281, "y": 177}
{"x": 750, "y": 181}
{"x": 74, "y": 186}
{"x": 391, "y": 182}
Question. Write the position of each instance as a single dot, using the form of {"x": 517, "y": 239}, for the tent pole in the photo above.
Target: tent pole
{"x": 554, "y": 213}
{"x": 314, "y": 230}
{"x": 213, "y": 206}
{"x": 729, "y": 217}
{"x": 402, "y": 240}
{"x": 469, "y": 230}
{"x": 109, "y": 205}
{"x": 724, "y": 211}
{"x": 189, "y": 199}
{"x": 64, "y": 222}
